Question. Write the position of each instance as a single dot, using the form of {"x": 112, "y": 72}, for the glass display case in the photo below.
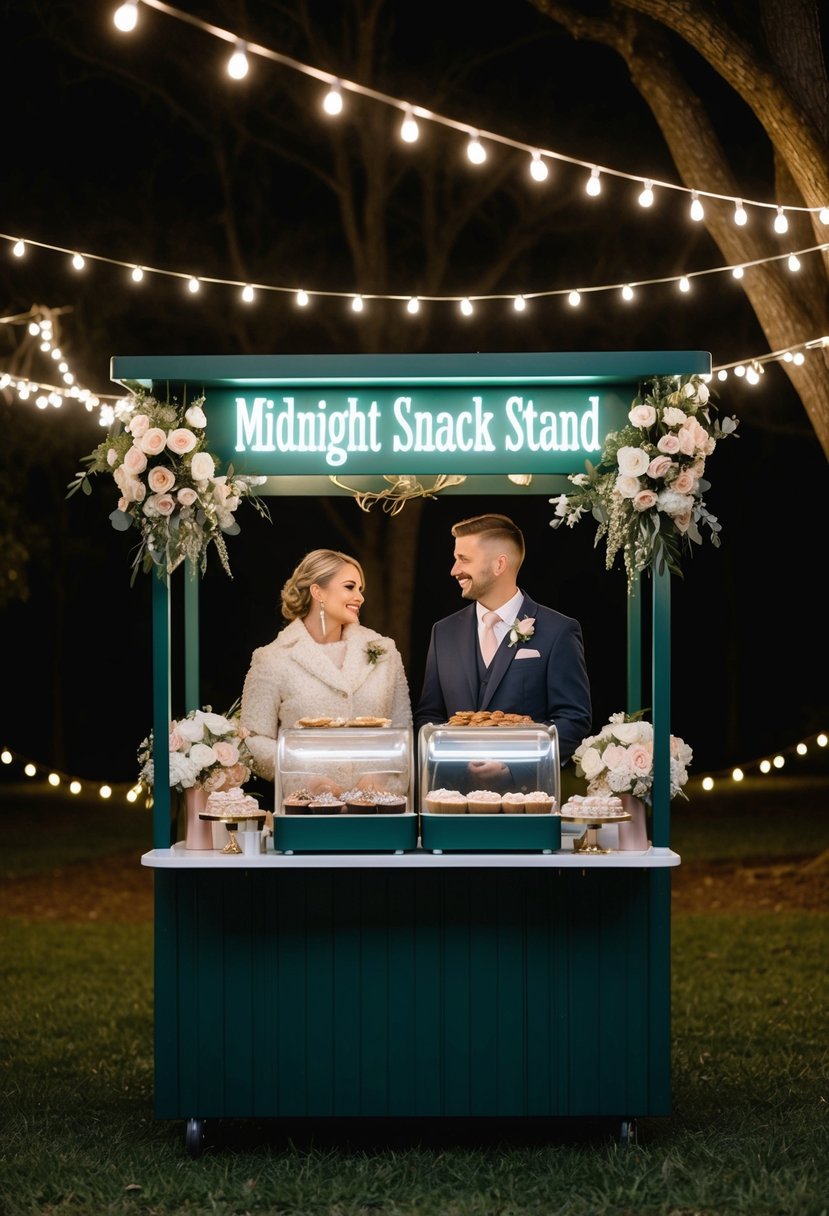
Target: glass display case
{"x": 489, "y": 788}
{"x": 344, "y": 789}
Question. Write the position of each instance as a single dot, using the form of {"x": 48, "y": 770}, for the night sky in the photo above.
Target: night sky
{"x": 100, "y": 155}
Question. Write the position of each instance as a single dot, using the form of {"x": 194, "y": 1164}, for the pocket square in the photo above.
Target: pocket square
{"x": 528, "y": 654}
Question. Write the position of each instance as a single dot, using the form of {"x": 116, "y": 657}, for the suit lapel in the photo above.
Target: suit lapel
{"x": 504, "y": 656}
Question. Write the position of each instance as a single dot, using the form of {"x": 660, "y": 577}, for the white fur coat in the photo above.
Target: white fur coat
{"x": 292, "y": 677}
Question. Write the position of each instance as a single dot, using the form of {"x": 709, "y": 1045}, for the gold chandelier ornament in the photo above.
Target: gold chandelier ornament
{"x": 401, "y": 489}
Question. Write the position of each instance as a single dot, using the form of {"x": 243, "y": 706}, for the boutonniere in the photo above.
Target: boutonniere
{"x": 374, "y": 652}
{"x": 521, "y": 631}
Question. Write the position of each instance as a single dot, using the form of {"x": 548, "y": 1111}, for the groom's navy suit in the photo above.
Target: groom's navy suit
{"x": 549, "y": 682}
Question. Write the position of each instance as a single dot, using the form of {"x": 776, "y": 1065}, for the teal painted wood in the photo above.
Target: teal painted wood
{"x": 161, "y": 710}
{"x": 661, "y": 676}
{"x": 345, "y": 833}
{"x": 587, "y": 366}
{"x": 191, "y": 637}
{"x": 458, "y": 992}
{"x": 490, "y": 833}
{"x": 634, "y": 644}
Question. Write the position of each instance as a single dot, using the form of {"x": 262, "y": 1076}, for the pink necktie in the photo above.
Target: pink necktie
{"x": 489, "y": 642}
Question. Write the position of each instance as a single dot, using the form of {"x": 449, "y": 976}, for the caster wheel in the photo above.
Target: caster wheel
{"x": 628, "y": 1133}
{"x": 194, "y": 1137}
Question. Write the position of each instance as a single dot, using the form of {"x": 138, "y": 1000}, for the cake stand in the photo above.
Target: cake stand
{"x": 589, "y": 842}
{"x": 232, "y": 822}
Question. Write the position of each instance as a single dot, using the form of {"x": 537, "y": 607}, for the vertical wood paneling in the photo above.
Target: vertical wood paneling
{"x": 452, "y": 992}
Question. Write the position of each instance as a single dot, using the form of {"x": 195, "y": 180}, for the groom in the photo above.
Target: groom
{"x": 474, "y": 663}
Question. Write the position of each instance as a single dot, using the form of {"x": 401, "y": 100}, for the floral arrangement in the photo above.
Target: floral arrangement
{"x": 374, "y": 652}
{"x": 619, "y": 759}
{"x": 521, "y": 631}
{"x": 168, "y": 483}
{"x": 647, "y": 490}
{"x": 206, "y": 750}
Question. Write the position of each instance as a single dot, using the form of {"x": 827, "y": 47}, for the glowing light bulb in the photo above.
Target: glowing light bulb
{"x": 737, "y": 272}
{"x": 781, "y": 224}
{"x": 697, "y": 211}
{"x": 302, "y": 298}
{"x": 594, "y": 186}
{"x": 722, "y": 374}
{"x": 574, "y": 299}
{"x": 737, "y": 774}
{"x": 30, "y": 770}
{"x": 798, "y": 358}
{"x": 248, "y": 293}
{"x": 193, "y": 284}
{"x": 475, "y": 150}
{"x": 538, "y": 168}
{"x": 765, "y": 766}
{"x": 125, "y": 16}
{"x": 137, "y": 274}
{"x": 105, "y": 791}
{"x": 801, "y": 749}
{"x": 409, "y": 130}
{"x": 18, "y": 249}
{"x": 333, "y": 101}
{"x": 822, "y": 740}
{"x": 627, "y": 292}
{"x": 33, "y": 328}
{"x": 519, "y": 303}
{"x": 787, "y": 356}
{"x": 739, "y": 370}
{"x": 823, "y": 215}
{"x": 752, "y": 375}
{"x": 794, "y": 263}
{"x": 466, "y": 307}
{"x": 357, "y": 304}
{"x": 684, "y": 284}
{"x": 53, "y": 779}
{"x": 778, "y": 762}
{"x": 740, "y": 213}
{"x": 5, "y": 756}
{"x": 237, "y": 64}
{"x": 708, "y": 783}
{"x": 646, "y": 197}
{"x": 78, "y": 262}
{"x": 413, "y": 305}
{"x": 74, "y": 787}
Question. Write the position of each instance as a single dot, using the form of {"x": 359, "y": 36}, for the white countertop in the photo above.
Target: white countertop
{"x": 180, "y": 858}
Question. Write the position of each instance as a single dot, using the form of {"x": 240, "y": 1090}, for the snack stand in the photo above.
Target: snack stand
{"x": 366, "y": 981}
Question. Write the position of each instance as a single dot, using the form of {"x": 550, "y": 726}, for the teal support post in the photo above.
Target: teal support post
{"x": 634, "y": 643}
{"x": 661, "y": 678}
{"x": 191, "y": 637}
{"x": 162, "y": 712}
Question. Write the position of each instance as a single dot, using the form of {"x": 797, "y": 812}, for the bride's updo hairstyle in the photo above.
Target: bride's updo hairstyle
{"x": 318, "y": 566}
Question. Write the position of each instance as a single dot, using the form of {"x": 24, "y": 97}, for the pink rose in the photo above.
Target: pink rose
{"x": 187, "y": 496}
{"x": 237, "y": 774}
{"x": 181, "y": 441}
{"x": 159, "y": 504}
{"x": 685, "y": 483}
{"x": 644, "y": 500}
{"x": 138, "y": 425}
{"x": 161, "y": 479}
{"x": 669, "y": 444}
{"x": 135, "y": 460}
{"x": 176, "y": 741}
{"x": 659, "y": 466}
{"x": 123, "y": 503}
{"x": 226, "y": 753}
{"x": 639, "y": 758}
{"x": 153, "y": 441}
{"x": 642, "y": 415}
{"x": 627, "y": 487}
{"x": 632, "y": 462}
{"x": 112, "y": 457}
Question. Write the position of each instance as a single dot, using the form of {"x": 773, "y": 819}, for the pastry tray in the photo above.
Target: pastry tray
{"x": 345, "y": 833}
{"x": 499, "y": 833}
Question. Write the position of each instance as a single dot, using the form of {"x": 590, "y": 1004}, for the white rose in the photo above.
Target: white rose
{"x": 627, "y": 487}
{"x": 217, "y": 724}
{"x": 202, "y": 466}
{"x": 182, "y": 770}
{"x": 675, "y": 504}
{"x": 202, "y": 755}
{"x": 632, "y": 732}
{"x": 591, "y": 763}
{"x": 191, "y": 730}
{"x": 195, "y": 416}
{"x": 633, "y": 462}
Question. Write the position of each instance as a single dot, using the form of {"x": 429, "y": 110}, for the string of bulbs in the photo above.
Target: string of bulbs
{"x": 412, "y": 304}
{"x": 126, "y": 18}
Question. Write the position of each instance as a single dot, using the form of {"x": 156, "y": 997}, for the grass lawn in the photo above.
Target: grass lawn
{"x": 750, "y": 1068}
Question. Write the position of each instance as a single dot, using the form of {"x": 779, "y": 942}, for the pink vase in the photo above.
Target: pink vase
{"x": 633, "y": 832}
{"x": 198, "y": 832}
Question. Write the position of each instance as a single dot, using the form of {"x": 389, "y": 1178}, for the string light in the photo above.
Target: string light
{"x": 697, "y": 211}
{"x": 333, "y": 101}
{"x": 684, "y": 284}
{"x": 781, "y": 224}
{"x": 455, "y": 124}
{"x": 248, "y": 294}
{"x": 357, "y": 304}
{"x": 193, "y": 285}
{"x": 78, "y": 262}
{"x": 59, "y": 781}
{"x": 466, "y": 307}
{"x": 574, "y": 299}
{"x": 646, "y": 197}
{"x": 740, "y": 214}
{"x": 302, "y": 299}
{"x": 594, "y": 186}
{"x": 793, "y": 263}
{"x": 627, "y": 292}
{"x": 125, "y": 16}
{"x": 519, "y": 304}
{"x": 792, "y": 354}
{"x": 475, "y": 150}
{"x": 538, "y": 168}
{"x": 18, "y": 249}
{"x": 766, "y": 765}
{"x": 413, "y": 305}
{"x": 237, "y": 64}
{"x": 137, "y": 274}
{"x": 409, "y": 130}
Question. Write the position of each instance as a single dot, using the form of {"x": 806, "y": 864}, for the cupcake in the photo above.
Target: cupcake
{"x": 359, "y": 802}
{"x": 446, "y": 802}
{"x": 538, "y": 803}
{"x": 326, "y": 804}
{"x": 483, "y": 802}
{"x": 297, "y": 803}
{"x": 513, "y": 804}
{"x": 390, "y": 804}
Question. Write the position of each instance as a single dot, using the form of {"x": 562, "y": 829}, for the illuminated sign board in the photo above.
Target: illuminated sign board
{"x": 370, "y": 428}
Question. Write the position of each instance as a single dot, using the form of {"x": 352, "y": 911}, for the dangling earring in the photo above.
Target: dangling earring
{"x": 322, "y": 620}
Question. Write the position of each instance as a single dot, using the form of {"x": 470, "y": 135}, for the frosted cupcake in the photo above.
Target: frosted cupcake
{"x": 390, "y": 804}
{"x": 446, "y": 802}
{"x": 483, "y": 802}
{"x": 327, "y": 804}
{"x": 513, "y": 804}
{"x": 538, "y": 803}
{"x": 359, "y": 802}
